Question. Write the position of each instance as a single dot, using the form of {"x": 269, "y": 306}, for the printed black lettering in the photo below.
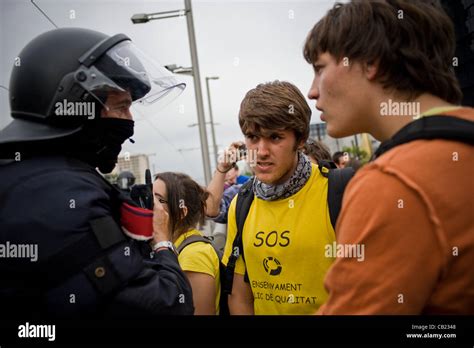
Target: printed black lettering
{"x": 272, "y": 239}
{"x": 268, "y": 238}
{"x": 259, "y": 238}
{"x": 285, "y": 238}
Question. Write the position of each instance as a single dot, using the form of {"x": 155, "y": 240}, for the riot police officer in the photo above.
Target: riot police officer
{"x": 70, "y": 102}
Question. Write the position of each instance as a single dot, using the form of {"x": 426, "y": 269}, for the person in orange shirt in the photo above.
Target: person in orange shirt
{"x": 405, "y": 236}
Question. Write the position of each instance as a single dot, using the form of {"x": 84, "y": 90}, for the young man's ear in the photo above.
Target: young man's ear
{"x": 371, "y": 69}
{"x": 300, "y": 144}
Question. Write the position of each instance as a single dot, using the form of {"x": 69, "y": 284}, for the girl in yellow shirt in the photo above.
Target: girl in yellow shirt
{"x": 185, "y": 202}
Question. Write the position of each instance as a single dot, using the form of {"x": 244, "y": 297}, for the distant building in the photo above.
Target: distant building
{"x": 137, "y": 164}
{"x": 317, "y": 131}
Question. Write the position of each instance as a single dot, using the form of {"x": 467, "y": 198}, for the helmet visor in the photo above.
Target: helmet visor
{"x": 125, "y": 68}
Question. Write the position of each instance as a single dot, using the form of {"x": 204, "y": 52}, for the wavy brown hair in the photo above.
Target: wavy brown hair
{"x": 277, "y": 105}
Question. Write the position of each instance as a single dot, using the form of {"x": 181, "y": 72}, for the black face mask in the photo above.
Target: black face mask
{"x": 103, "y": 139}
{"x": 115, "y": 131}
{"x": 98, "y": 144}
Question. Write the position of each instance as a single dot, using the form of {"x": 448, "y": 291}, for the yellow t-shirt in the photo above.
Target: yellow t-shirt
{"x": 284, "y": 248}
{"x": 200, "y": 257}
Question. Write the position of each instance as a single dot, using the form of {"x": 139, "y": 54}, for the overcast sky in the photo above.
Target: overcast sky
{"x": 243, "y": 42}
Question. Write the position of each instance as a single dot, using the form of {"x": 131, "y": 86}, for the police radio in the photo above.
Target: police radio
{"x": 137, "y": 218}
{"x": 142, "y": 195}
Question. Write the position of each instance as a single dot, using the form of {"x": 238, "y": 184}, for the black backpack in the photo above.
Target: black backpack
{"x": 337, "y": 182}
{"x": 223, "y": 306}
{"x": 431, "y": 127}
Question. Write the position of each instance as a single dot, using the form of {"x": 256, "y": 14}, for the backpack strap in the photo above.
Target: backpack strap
{"x": 431, "y": 127}
{"x": 223, "y": 306}
{"x": 244, "y": 201}
{"x": 337, "y": 182}
{"x": 192, "y": 239}
{"x": 325, "y": 166}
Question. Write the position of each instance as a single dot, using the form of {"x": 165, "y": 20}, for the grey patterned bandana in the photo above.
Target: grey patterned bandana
{"x": 288, "y": 188}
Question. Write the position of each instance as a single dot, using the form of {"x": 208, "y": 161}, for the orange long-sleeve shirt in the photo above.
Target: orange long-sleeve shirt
{"x": 413, "y": 210}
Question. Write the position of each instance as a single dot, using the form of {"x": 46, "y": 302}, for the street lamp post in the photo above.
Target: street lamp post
{"x": 211, "y": 119}
{"x": 198, "y": 92}
{"x": 144, "y": 18}
{"x": 214, "y": 145}
{"x": 140, "y": 18}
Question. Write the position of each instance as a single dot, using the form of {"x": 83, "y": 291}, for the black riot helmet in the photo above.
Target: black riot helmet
{"x": 64, "y": 72}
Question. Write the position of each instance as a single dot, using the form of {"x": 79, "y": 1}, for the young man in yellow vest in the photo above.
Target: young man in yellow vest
{"x": 288, "y": 225}
{"x": 385, "y": 68}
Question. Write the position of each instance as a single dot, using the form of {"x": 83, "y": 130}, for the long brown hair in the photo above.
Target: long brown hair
{"x": 182, "y": 191}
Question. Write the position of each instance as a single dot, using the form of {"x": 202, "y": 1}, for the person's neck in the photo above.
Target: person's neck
{"x": 384, "y": 127}
{"x": 176, "y": 236}
{"x": 288, "y": 175}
